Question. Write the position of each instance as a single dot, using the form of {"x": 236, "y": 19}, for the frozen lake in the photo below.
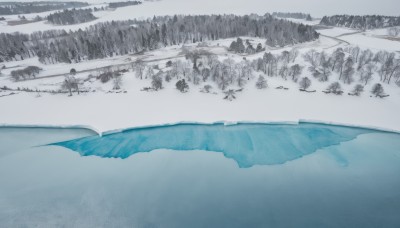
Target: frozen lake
{"x": 245, "y": 175}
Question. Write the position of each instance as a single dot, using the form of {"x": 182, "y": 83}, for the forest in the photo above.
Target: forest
{"x": 69, "y": 17}
{"x": 124, "y": 37}
{"x": 361, "y": 22}
{"x": 293, "y": 15}
{"x": 123, "y": 4}
{"x": 10, "y": 8}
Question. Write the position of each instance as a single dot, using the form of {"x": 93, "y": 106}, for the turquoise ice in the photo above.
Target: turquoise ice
{"x": 247, "y": 144}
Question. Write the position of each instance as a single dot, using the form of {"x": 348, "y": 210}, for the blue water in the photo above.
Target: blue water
{"x": 247, "y": 144}
{"x": 306, "y": 175}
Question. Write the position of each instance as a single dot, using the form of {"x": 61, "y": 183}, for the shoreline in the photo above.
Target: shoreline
{"x": 225, "y": 123}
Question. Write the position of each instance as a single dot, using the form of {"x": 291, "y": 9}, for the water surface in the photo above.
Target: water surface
{"x": 349, "y": 178}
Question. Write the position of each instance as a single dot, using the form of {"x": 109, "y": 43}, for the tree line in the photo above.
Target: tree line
{"x": 123, "y": 37}
{"x": 10, "y": 8}
{"x": 239, "y": 46}
{"x": 69, "y": 17}
{"x": 293, "y": 15}
{"x": 350, "y": 65}
{"x": 361, "y": 22}
{"x": 123, "y": 4}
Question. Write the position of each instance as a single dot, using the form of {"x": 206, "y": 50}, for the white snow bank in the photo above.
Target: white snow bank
{"x": 90, "y": 128}
{"x": 108, "y": 112}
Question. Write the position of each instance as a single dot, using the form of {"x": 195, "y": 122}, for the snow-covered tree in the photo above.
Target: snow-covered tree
{"x": 358, "y": 89}
{"x": 140, "y": 68}
{"x": 305, "y": 83}
{"x": 377, "y": 90}
{"x": 348, "y": 71}
{"x": 366, "y": 72}
{"x": 156, "y": 82}
{"x": 295, "y": 72}
{"x": 335, "y": 88}
{"x": 70, "y": 83}
{"x": 117, "y": 81}
{"x": 261, "y": 83}
{"x": 182, "y": 86}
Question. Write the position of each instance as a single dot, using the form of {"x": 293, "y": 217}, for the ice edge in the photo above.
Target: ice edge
{"x": 226, "y": 123}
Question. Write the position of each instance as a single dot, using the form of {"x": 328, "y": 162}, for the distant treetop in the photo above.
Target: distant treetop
{"x": 123, "y": 4}
{"x": 11, "y": 8}
{"x": 361, "y": 22}
{"x": 292, "y": 15}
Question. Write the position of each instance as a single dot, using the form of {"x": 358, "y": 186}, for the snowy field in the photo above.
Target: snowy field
{"x": 131, "y": 107}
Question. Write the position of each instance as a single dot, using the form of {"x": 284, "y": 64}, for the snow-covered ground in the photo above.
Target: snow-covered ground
{"x": 107, "y": 111}
{"x": 335, "y": 32}
{"x": 373, "y": 39}
{"x": 113, "y": 111}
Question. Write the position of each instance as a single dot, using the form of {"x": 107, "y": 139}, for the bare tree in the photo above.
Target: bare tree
{"x": 335, "y": 88}
{"x": 312, "y": 57}
{"x": 229, "y": 68}
{"x": 139, "y": 68}
{"x": 365, "y": 58}
{"x": 283, "y": 71}
{"x": 285, "y": 57}
{"x": 293, "y": 54}
{"x": 230, "y": 95}
{"x": 325, "y": 63}
{"x": 117, "y": 81}
{"x": 393, "y": 70}
{"x": 348, "y": 71}
{"x": 70, "y": 83}
{"x": 149, "y": 72}
{"x": 195, "y": 55}
{"x": 358, "y": 89}
{"x": 366, "y": 72}
{"x": 355, "y": 52}
{"x": 177, "y": 69}
{"x": 156, "y": 82}
{"x": 295, "y": 72}
{"x": 338, "y": 58}
{"x": 270, "y": 64}
{"x": 187, "y": 71}
{"x": 377, "y": 90}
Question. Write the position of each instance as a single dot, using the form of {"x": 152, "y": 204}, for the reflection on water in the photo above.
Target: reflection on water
{"x": 353, "y": 184}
